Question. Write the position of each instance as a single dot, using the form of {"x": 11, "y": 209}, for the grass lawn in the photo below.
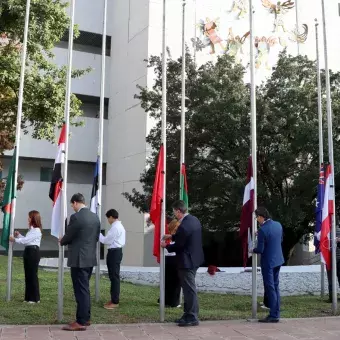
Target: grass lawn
{"x": 138, "y": 303}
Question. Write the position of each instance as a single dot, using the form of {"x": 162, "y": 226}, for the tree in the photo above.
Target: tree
{"x": 218, "y": 142}
{"x": 44, "y": 91}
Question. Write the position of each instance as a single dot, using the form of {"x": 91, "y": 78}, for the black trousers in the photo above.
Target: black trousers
{"x": 113, "y": 260}
{"x": 81, "y": 287}
{"x": 329, "y": 278}
{"x": 187, "y": 279}
{"x": 31, "y": 263}
{"x": 172, "y": 283}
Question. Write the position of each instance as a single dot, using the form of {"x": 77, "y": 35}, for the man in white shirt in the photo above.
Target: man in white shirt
{"x": 115, "y": 240}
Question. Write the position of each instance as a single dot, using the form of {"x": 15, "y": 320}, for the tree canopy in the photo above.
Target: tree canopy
{"x": 44, "y": 90}
{"x": 218, "y": 141}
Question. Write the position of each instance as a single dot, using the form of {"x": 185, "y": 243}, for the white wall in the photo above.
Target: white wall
{"x": 83, "y": 143}
{"x": 90, "y": 83}
{"x": 127, "y": 121}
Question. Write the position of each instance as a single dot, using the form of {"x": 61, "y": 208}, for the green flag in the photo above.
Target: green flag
{"x": 6, "y": 205}
{"x": 184, "y": 186}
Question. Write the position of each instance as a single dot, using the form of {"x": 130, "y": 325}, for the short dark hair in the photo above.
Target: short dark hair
{"x": 112, "y": 213}
{"x": 78, "y": 198}
{"x": 263, "y": 212}
{"x": 181, "y": 206}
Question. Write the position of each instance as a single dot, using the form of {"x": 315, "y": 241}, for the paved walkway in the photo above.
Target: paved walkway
{"x": 321, "y": 328}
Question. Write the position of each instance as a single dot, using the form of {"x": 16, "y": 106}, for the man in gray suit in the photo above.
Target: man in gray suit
{"x": 81, "y": 237}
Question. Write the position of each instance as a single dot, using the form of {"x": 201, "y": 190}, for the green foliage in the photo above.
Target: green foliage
{"x": 44, "y": 91}
{"x": 218, "y": 142}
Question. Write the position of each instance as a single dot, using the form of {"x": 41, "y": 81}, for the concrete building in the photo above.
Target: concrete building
{"x": 134, "y": 34}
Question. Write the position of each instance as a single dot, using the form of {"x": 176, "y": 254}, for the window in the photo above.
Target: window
{"x": 46, "y": 174}
{"x": 87, "y": 42}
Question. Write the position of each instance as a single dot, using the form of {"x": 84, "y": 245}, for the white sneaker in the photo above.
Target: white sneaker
{"x": 179, "y": 306}
{"x": 33, "y": 302}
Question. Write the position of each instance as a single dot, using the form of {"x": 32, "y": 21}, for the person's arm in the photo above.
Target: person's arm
{"x": 28, "y": 238}
{"x": 260, "y": 243}
{"x": 111, "y": 236}
{"x": 71, "y": 231}
{"x": 179, "y": 238}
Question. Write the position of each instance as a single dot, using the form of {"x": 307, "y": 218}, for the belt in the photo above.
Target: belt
{"x": 31, "y": 247}
{"x": 114, "y": 249}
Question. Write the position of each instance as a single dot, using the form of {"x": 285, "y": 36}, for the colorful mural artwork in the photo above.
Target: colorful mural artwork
{"x": 209, "y": 35}
{"x": 278, "y": 10}
{"x": 235, "y": 45}
{"x": 275, "y": 28}
{"x": 240, "y": 8}
{"x": 263, "y": 46}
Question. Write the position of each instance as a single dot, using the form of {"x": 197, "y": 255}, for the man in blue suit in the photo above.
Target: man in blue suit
{"x": 189, "y": 256}
{"x": 269, "y": 245}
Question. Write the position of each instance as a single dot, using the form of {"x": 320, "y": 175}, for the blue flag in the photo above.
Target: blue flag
{"x": 318, "y": 209}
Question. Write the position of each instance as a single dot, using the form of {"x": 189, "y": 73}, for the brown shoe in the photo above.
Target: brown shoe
{"x": 88, "y": 323}
{"x": 74, "y": 327}
{"x": 111, "y": 306}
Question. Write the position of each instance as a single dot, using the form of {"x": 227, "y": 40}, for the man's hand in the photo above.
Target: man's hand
{"x": 166, "y": 237}
{"x": 337, "y": 239}
{"x": 163, "y": 244}
{"x": 11, "y": 239}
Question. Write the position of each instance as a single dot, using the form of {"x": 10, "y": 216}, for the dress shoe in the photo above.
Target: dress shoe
{"x": 87, "y": 324}
{"x": 188, "y": 323}
{"x": 74, "y": 327}
{"x": 111, "y": 306}
{"x": 269, "y": 319}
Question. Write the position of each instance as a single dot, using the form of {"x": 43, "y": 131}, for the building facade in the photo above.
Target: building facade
{"x": 134, "y": 33}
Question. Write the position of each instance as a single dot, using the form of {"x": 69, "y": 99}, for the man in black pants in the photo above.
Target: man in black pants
{"x": 81, "y": 237}
{"x": 189, "y": 254}
{"x": 115, "y": 240}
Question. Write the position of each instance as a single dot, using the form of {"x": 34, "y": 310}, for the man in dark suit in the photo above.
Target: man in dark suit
{"x": 189, "y": 254}
{"x": 81, "y": 237}
{"x": 269, "y": 245}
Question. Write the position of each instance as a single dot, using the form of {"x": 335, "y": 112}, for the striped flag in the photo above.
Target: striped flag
{"x": 318, "y": 209}
{"x": 57, "y": 184}
{"x": 6, "y": 205}
{"x": 327, "y": 212}
{"x": 94, "y": 194}
{"x": 247, "y": 213}
{"x": 184, "y": 186}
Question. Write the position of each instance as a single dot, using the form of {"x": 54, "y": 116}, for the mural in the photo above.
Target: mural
{"x": 278, "y": 10}
{"x": 240, "y": 8}
{"x": 228, "y": 33}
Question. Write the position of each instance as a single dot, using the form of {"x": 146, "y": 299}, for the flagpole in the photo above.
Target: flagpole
{"x": 182, "y": 157}
{"x": 17, "y": 147}
{"x": 195, "y": 32}
{"x": 65, "y": 167}
{"x": 100, "y": 147}
{"x": 297, "y": 25}
{"x": 162, "y": 258}
{"x": 253, "y": 153}
{"x": 320, "y": 117}
{"x": 331, "y": 160}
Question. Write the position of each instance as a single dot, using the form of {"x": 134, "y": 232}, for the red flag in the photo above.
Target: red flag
{"x": 156, "y": 203}
{"x": 327, "y": 213}
{"x": 57, "y": 183}
{"x": 247, "y": 213}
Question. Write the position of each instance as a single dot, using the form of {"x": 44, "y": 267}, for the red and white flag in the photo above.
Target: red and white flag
{"x": 57, "y": 184}
{"x": 327, "y": 213}
{"x": 247, "y": 213}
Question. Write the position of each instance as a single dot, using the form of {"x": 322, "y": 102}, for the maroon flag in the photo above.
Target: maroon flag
{"x": 247, "y": 213}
